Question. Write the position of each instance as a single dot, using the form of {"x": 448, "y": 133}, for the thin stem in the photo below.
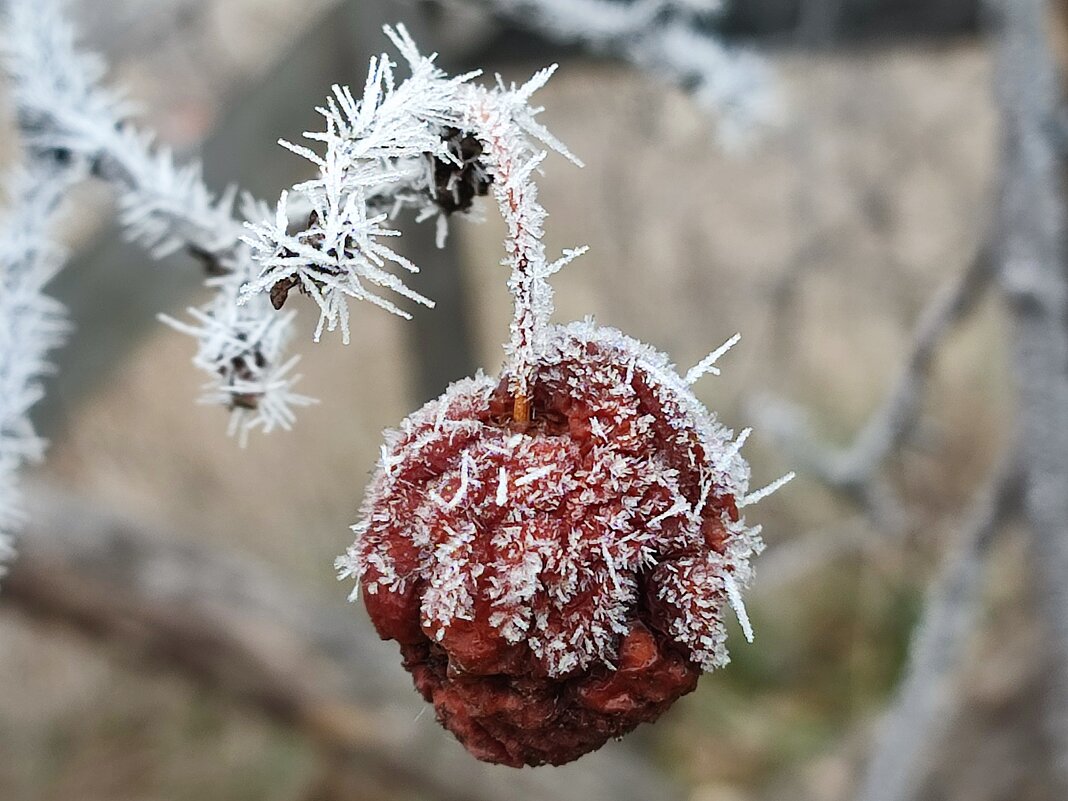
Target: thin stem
{"x": 517, "y": 196}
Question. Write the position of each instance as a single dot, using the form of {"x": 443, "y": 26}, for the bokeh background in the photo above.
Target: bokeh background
{"x": 820, "y": 238}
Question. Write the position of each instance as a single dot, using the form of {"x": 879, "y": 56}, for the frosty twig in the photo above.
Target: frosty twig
{"x": 665, "y": 37}
{"x": 31, "y": 323}
{"x": 64, "y": 111}
{"x": 426, "y": 144}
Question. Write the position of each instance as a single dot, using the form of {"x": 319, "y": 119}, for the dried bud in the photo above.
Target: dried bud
{"x": 458, "y": 181}
{"x": 280, "y": 292}
{"x": 556, "y": 583}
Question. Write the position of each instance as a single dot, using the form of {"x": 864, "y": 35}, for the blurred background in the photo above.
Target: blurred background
{"x": 821, "y": 235}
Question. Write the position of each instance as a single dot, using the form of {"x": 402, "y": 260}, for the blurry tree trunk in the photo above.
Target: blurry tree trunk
{"x": 1034, "y": 279}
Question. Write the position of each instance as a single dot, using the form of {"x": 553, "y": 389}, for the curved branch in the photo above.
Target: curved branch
{"x": 665, "y": 37}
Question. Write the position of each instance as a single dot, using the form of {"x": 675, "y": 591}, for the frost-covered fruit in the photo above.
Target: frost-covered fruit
{"x": 556, "y": 583}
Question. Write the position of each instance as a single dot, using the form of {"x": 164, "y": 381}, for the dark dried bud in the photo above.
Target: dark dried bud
{"x": 280, "y": 291}
{"x": 456, "y": 185}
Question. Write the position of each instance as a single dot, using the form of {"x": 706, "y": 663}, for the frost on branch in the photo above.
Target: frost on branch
{"x": 381, "y": 156}
{"x": 31, "y": 322}
{"x": 64, "y": 112}
{"x": 422, "y": 144}
{"x": 669, "y": 38}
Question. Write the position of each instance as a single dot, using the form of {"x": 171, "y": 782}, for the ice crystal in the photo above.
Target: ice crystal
{"x": 380, "y": 154}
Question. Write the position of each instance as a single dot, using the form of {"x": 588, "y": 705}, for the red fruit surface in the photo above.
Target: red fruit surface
{"x": 554, "y": 584}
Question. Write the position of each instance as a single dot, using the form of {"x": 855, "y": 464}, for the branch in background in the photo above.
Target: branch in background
{"x": 668, "y": 38}
{"x": 910, "y": 730}
{"x": 852, "y": 470}
{"x": 1031, "y": 269}
{"x": 229, "y": 623}
{"x": 31, "y": 323}
{"x": 62, "y": 110}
